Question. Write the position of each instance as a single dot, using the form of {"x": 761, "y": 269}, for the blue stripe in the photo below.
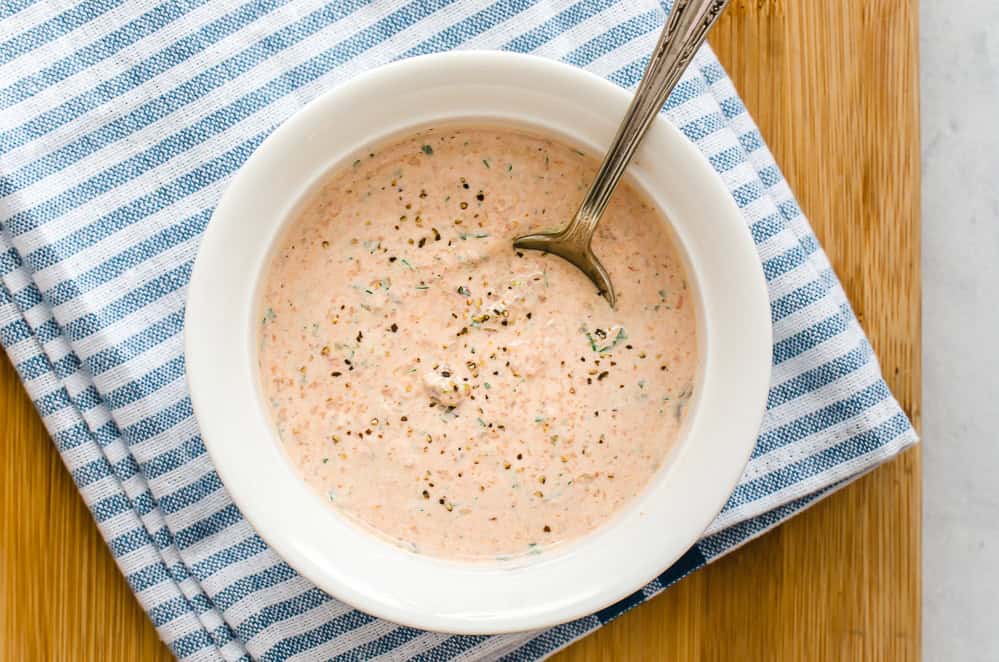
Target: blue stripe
{"x": 770, "y": 176}
{"x": 552, "y": 639}
{"x": 191, "y": 493}
{"x": 191, "y": 643}
{"x": 9, "y": 260}
{"x": 606, "y": 42}
{"x": 66, "y": 366}
{"x": 14, "y": 333}
{"x": 789, "y": 209}
{"x": 751, "y": 141}
{"x": 71, "y": 437}
{"x": 727, "y": 159}
{"x": 125, "y": 468}
{"x": 178, "y": 52}
{"x": 115, "y": 504}
{"x": 767, "y": 228}
{"x": 713, "y": 73}
{"x": 87, "y": 399}
{"x": 106, "y": 434}
{"x": 57, "y": 26}
{"x": 119, "y": 264}
{"x": 732, "y": 107}
{"x": 821, "y": 419}
{"x": 148, "y": 577}
{"x": 159, "y": 422}
{"x": 227, "y": 556}
{"x": 291, "y": 608}
{"x": 10, "y": 7}
{"x": 468, "y": 27}
{"x": 821, "y": 461}
{"x": 726, "y": 539}
{"x": 34, "y": 367}
{"x": 566, "y": 19}
{"x": 173, "y": 459}
{"x": 92, "y": 472}
{"x": 629, "y": 75}
{"x": 132, "y": 301}
{"x": 820, "y": 376}
{"x": 27, "y": 298}
{"x": 175, "y": 608}
{"x": 331, "y": 629}
{"x": 793, "y": 258}
{"x": 120, "y": 354}
{"x": 48, "y": 331}
{"x": 152, "y": 381}
{"x": 806, "y": 295}
{"x": 127, "y": 543}
{"x": 208, "y": 526}
{"x": 813, "y": 336}
{"x": 449, "y": 648}
{"x": 691, "y": 560}
{"x": 249, "y": 584}
{"x": 52, "y": 402}
{"x": 79, "y": 433}
{"x": 223, "y": 635}
{"x": 387, "y": 642}
{"x": 100, "y": 469}
{"x": 97, "y": 51}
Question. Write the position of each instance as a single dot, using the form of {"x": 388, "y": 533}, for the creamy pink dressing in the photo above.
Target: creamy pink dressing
{"x": 451, "y": 393}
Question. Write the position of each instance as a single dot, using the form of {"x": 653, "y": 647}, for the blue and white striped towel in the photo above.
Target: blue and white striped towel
{"x": 120, "y": 124}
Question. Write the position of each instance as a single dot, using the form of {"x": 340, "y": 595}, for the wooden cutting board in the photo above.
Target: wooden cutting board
{"x": 833, "y": 86}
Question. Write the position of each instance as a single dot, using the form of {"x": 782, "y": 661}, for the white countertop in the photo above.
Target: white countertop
{"x": 960, "y": 114}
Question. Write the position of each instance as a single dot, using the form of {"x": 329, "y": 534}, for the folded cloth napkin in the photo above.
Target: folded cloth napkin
{"x": 120, "y": 125}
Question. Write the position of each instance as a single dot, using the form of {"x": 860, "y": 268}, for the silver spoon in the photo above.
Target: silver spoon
{"x": 684, "y": 32}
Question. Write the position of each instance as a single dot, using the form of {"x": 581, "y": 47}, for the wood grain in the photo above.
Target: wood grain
{"x": 833, "y": 86}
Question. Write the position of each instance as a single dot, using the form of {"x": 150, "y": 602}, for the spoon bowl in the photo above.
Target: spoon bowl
{"x": 574, "y": 251}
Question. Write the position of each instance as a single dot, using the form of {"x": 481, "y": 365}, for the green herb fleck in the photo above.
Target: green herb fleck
{"x": 481, "y": 422}
{"x": 473, "y": 235}
{"x": 408, "y": 265}
{"x": 325, "y": 460}
{"x": 487, "y": 385}
{"x": 357, "y": 163}
{"x": 598, "y": 339}
{"x": 423, "y": 287}
{"x": 269, "y": 316}
{"x": 485, "y": 162}
{"x": 428, "y": 150}
{"x": 509, "y": 167}
{"x": 464, "y": 291}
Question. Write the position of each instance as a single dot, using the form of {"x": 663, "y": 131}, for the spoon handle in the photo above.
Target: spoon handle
{"x": 686, "y": 28}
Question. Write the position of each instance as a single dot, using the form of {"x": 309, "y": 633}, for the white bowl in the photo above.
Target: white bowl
{"x": 376, "y": 576}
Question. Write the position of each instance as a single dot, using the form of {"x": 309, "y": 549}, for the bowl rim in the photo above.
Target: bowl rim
{"x": 213, "y": 341}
